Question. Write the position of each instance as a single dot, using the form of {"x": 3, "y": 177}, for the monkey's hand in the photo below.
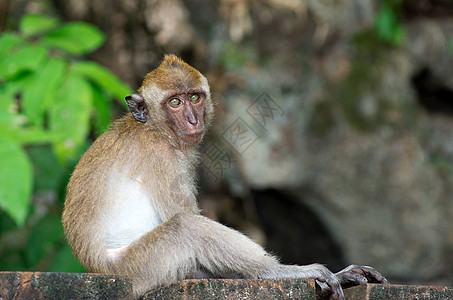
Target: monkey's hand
{"x": 356, "y": 275}
{"x": 328, "y": 285}
{"x": 329, "y": 288}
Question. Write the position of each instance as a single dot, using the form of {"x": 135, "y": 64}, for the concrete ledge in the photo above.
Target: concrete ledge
{"x": 37, "y": 285}
{"x": 393, "y": 291}
{"x": 236, "y": 289}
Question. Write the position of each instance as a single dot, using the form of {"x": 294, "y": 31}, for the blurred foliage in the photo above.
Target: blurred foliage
{"x": 50, "y": 102}
{"x": 387, "y": 23}
{"x": 235, "y": 56}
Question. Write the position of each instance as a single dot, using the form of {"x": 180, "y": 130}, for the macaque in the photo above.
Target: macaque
{"x": 131, "y": 202}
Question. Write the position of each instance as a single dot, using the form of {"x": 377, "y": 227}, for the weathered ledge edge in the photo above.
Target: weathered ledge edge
{"x": 47, "y": 285}
{"x": 50, "y": 285}
{"x": 236, "y": 289}
{"x": 395, "y": 291}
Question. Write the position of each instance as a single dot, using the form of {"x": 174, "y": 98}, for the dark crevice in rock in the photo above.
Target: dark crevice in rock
{"x": 431, "y": 94}
{"x": 295, "y": 232}
{"x": 427, "y": 8}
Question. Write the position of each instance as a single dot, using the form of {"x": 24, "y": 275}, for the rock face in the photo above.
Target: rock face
{"x": 344, "y": 132}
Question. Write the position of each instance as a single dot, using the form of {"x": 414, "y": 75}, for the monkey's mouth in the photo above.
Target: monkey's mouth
{"x": 193, "y": 134}
{"x": 192, "y": 138}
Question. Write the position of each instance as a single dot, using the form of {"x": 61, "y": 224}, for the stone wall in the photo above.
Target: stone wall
{"x": 28, "y": 285}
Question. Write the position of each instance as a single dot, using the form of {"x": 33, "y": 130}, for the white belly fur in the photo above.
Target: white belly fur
{"x": 131, "y": 216}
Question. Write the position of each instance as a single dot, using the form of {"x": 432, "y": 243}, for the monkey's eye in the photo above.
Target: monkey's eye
{"x": 174, "y": 102}
{"x": 194, "y": 98}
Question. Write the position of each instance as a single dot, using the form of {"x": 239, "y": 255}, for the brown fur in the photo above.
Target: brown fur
{"x": 131, "y": 202}
{"x": 169, "y": 74}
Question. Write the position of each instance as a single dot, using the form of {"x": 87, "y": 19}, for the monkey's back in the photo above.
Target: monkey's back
{"x": 111, "y": 194}
{"x": 85, "y": 205}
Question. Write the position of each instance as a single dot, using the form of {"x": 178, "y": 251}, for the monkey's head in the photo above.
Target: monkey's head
{"x": 175, "y": 100}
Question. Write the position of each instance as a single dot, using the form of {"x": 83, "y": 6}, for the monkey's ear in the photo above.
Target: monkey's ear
{"x": 137, "y": 106}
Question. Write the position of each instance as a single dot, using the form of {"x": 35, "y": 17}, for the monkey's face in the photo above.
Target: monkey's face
{"x": 185, "y": 111}
{"x": 174, "y": 99}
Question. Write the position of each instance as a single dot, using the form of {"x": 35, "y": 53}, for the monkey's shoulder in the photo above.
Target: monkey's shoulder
{"x": 125, "y": 142}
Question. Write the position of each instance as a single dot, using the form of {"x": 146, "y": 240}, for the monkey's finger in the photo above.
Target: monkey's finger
{"x": 371, "y": 274}
{"x": 329, "y": 288}
{"x": 353, "y": 278}
{"x": 337, "y": 292}
{"x": 349, "y": 279}
{"x": 375, "y": 277}
{"x": 322, "y": 288}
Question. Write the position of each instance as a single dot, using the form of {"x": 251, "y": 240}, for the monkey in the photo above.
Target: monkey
{"x": 131, "y": 205}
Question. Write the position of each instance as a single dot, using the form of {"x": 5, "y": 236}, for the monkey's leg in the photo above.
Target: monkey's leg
{"x": 180, "y": 246}
{"x": 162, "y": 256}
{"x": 223, "y": 249}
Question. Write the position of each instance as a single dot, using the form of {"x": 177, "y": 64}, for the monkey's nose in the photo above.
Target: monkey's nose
{"x": 192, "y": 119}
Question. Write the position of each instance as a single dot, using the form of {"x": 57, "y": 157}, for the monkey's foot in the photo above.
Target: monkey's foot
{"x": 357, "y": 275}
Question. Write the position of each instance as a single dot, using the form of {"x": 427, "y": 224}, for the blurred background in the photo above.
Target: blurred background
{"x": 332, "y": 141}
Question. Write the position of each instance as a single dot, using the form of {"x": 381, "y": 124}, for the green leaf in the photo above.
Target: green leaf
{"x": 7, "y": 106}
{"x": 102, "y": 108}
{"x": 104, "y": 78}
{"x": 40, "y": 92}
{"x": 384, "y": 21}
{"x": 7, "y": 41}
{"x": 11, "y": 119}
{"x": 70, "y": 117}
{"x": 27, "y": 58}
{"x": 11, "y": 260}
{"x": 76, "y": 38}
{"x": 36, "y": 24}
{"x": 64, "y": 261}
{"x": 43, "y": 239}
{"x": 15, "y": 180}
{"x": 387, "y": 25}
{"x": 29, "y": 135}
{"x": 399, "y": 35}
{"x": 47, "y": 170}
{"x": 12, "y": 123}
